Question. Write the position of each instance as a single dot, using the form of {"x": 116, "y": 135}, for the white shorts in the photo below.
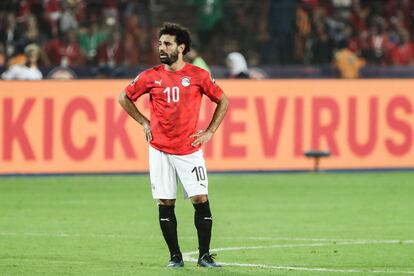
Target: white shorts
{"x": 166, "y": 168}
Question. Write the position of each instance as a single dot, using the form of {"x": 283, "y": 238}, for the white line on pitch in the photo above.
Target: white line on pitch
{"x": 320, "y": 269}
{"x": 187, "y": 256}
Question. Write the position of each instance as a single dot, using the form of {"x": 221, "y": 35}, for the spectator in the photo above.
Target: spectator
{"x": 403, "y": 52}
{"x": 336, "y": 26}
{"x": 194, "y": 58}
{"x": 322, "y": 46}
{"x": 134, "y": 40}
{"x": 359, "y": 15}
{"x": 10, "y": 34}
{"x": 64, "y": 51}
{"x": 27, "y": 71}
{"x": 110, "y": 57}
{"x": 31, "y": 33}
{"x": 89, "y": 40}
{"x": 237, "y": 66}
{"x": 111, "y": 53}
{"x": 19, "y": 56}
{"x": 394, "y": 30}
{"x": 209, "y": 15}
{"x": 401, "y": 9}
{"x": 268, "y": 32}
{"x": 2, "y": 56}
{"x": 53, "y": 13}
{"x": 377, "y": 42}
{"x": 303, "y": 31}
{"x": 246, "y": 38}
{"x": 262, "y": 30}
{"x": 68, "y": 20}
{"x": 23, "y": 10}
{"x": 281, "y": 29}
{"x": 347, "y": 62}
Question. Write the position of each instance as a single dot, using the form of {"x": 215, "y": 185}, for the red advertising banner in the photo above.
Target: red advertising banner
{"x": 79, "y": 127}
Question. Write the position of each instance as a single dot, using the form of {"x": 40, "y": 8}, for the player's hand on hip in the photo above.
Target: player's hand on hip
{"x": 202, "y": 137}
{"x": 147, "y": 131}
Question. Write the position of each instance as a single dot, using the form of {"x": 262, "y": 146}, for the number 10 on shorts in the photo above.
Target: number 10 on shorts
{"x": 199, "y": 172}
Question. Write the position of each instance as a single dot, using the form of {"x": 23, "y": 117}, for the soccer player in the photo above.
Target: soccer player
{"x": 176, "y": 89}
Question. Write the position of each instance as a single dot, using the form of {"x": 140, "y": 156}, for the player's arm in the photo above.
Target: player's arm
{"x": 203, "y": 137}
{"x": 133, "y": 111}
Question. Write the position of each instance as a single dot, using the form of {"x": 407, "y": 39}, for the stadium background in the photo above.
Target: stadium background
{"x": 284, "y": 38}
{"x": 364, "y": 124}
{"x": 276, "y": 216}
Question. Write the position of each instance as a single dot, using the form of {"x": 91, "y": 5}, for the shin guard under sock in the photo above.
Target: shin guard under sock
{"x": 168, "y": 223}
{"x": 203, "y": 222}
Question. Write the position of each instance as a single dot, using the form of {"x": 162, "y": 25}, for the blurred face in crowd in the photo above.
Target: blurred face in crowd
{"x": 69, "y": 36}
{"x": 114, "y": 37}
{"x": 190, "y": 56}
{"x": 93, "y": 29}
{"x": 168, "y": 49}
{"x": 32, "y": 56}
{"x": 404, "y": 37}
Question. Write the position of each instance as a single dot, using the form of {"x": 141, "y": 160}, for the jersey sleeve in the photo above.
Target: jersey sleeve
{"x": 137, "y": 87}
{"x": 210, "y": 88}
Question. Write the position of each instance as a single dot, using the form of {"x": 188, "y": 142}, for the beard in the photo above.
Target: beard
{"x": 169, "y": 59}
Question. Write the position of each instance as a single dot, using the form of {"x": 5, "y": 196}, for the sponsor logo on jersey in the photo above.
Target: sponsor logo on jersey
{"x": 185, "y": 81}
{"x": 158, "y": 82}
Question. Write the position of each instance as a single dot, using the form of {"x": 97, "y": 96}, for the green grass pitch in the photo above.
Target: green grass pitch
{"x": 267, "y": 224}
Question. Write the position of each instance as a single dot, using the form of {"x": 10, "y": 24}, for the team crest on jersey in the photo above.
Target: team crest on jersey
{"x": 185, "y": 81}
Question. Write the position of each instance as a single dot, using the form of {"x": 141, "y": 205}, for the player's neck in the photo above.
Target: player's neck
{"x": 176, "y": 66}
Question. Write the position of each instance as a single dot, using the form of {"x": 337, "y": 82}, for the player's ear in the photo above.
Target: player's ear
{"x": 181, "y": 48}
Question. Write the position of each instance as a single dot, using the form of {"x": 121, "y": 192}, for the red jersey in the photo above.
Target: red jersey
{"x": 402, "y": 54}
{"x": 175, "y": 100}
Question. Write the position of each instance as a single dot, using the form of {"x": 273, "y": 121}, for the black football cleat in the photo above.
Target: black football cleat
{"x": 176, "y": 261}
{"x": 207, "y": 260}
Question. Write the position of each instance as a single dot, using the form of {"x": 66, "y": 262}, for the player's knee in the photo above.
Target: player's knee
{"x": 199, "y": 199}
{"x": 167, "y": 202}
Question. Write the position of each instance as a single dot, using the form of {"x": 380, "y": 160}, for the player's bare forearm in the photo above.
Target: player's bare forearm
{"x": 219, "y": 113}
{"x": 133, "y": 111}
{"x": 203, "y": 137}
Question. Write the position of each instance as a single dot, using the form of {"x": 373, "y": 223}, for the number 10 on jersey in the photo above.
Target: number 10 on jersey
{"x": 173, "y": 94}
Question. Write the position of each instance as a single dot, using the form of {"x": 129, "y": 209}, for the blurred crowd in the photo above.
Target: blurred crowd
{"x": 109, "y": 35}
{"x": 75, "y": 33}
{"x": 379, "y": 31}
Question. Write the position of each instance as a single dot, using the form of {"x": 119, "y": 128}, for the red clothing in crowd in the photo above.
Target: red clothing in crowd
{"x": 402, "y": 54}
{"x": 110, "y": 54}
{"x": 56, "y": 50}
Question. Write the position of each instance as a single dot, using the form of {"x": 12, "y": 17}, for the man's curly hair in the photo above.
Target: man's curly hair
{"x": 182, "y": 34}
